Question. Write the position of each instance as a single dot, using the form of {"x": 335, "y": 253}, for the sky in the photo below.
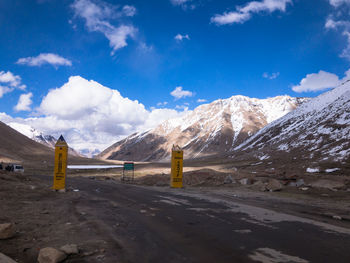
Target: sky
{"x": 97, "y": 71}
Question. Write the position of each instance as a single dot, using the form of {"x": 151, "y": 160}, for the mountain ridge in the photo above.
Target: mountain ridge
{"x": 211, "y": 128}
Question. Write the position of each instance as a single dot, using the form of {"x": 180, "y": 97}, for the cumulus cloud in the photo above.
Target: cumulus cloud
{"x": 273, "y": 75}
{"x": 179, "y": 93}
{"x": 180, "y": 37}
{"x": 90, "y": 115}
{"x": 10, "y": 79}
{"x": 320, "y": 81}
{"x": 4, "y": 90}
{"x": 97, "y": 18}
{"x": 24, "y": 102}
{"x": 244, "y": 13}
{"x": 45, "y": 58}
{"x": 8, "y": 82}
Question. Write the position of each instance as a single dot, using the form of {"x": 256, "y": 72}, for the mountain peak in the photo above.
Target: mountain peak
{"x": 212, "y": 128}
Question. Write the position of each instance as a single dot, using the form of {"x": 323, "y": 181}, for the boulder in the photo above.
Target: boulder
{"x": 70, "y": 249}
{"x": 274, "y": 185}
{"x": 259, "y": 185}
{"x": 7, "y": 230}
{"x": 50, "y": 255}
{"x": 6, "y": 259}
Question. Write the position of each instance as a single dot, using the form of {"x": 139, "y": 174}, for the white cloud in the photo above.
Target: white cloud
{"x": 162, "y": 103}
{"x": 90, "y": 115}
{"x": 317, "y": 82}
{"x": 244, "y": 13}
{"x": 24, "y": 102}
{"x": 8, "y": 82}
{"x": 332, "y": 24}
{"x": 4, "y": 90}
{"x": 182, "y": 107}
{"x": 185, "y": 4}
{"x": 179, "y": 93}
{"x": 201, "y": 100}
{"x": 10, "y": 79}
{"x": 179, "y": 2}
{"x": 346, "y": 51}
{"x": 273, "y": 75}
{"x": 342, "y": 25}
{"x": 129, "y": 10}
{"x": 180, "y": 37}
{"x": 97, "y": 18}
{"x": 337, "y": 3}
{"x": 45, "y": 58}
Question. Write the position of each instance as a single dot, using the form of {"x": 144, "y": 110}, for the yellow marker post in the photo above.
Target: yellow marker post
{"x": 61, "y": 154}
{"x": 176, "y": 167}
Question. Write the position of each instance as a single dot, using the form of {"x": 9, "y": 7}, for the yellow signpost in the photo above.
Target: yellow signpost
{"x": 176, "y": 167}
{"x": 61, "y": 153}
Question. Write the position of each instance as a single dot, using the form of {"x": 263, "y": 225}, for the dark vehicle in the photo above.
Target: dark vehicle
{"x": 14, "y": 168}
{"x": 9, "y": 168}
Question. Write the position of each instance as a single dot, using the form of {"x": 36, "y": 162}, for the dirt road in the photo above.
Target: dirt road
{"x": 128, "y": 223}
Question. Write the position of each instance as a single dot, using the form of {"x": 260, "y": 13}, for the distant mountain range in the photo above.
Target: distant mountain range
{"x": 215, "y": 128}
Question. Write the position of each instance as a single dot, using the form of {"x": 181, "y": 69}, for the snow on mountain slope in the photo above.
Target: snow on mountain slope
{"x": 318, "y": 130}
{"x": 37, "y": 136}
{"x": 209, "y": 129}
{"x": 33, "y": 134}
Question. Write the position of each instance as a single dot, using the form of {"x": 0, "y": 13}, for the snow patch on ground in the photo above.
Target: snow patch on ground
{"x": 312, "y": 170}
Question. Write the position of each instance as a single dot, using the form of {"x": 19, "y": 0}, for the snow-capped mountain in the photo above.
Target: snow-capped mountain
{"x": 33, "y": 134}
{"x": 37, "y": 136}
{"x": 318, "y": 131}
{"x": 209, "y": 129}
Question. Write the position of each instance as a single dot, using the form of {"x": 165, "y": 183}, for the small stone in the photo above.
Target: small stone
{"x": 51, "y": 255}
{"x": 274, "y": 185}
{"x": 6, "y": 259}
{"x": 7, "y": 230}
{"x": 304, "y": 188}
{"x": 62, "y": 190}
{"x": 70, "y": 249}
{"x": 246, "y": 181}
{"x": 337, "y": 217}
{"x": 228, "y": 180}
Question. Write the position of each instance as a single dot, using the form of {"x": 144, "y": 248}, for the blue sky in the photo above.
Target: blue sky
{"x": 156, "y": 51}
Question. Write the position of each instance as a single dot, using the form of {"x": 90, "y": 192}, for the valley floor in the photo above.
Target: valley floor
{"x": 115, "y": 222}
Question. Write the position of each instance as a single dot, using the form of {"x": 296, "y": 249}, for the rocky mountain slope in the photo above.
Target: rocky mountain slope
{"x": 15, "y": 147}
{"x": 316, "y": 132}
{"x": 38, "y": 136}
{"x": 212, "y": 128}
{"x": 36, "y": 157}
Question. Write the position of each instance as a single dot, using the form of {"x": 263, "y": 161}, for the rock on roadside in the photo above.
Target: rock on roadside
{"x": 274, "y": 185}
{"x": 246, "y": 181}
{"x": 50, "y": 255}
{"x": 7, "y": 230}
{"x": 70, "y": 249}
{"x": 6, "y": 259}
